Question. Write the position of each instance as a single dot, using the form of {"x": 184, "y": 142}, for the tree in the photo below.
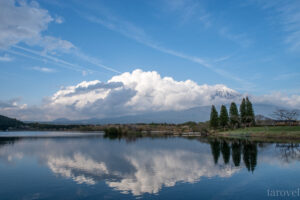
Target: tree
{"x": 250, "y": 117}
{"x": 243, "y": 111}
{"x": 234, "y": 115}
{"x": 214, "y": 119}
{"x": 224, "y": 116}
{"x": 283, "y": 114}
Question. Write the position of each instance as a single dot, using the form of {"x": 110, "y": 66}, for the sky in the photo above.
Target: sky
{"x": 80, "y": 59}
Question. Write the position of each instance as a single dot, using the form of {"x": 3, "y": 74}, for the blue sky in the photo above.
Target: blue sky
{"x": 250, "y": 46}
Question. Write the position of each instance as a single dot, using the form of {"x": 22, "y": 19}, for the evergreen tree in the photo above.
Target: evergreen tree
{"x": 224, "y": 116}
{"x": 234, "y": 115}
{"x": 243, "y": 111}
{"x": 214, "y": 119}
{"x": 250, "y": 117}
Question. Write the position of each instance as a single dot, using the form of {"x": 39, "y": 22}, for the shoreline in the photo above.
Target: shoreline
{"x": 258, "y": 134}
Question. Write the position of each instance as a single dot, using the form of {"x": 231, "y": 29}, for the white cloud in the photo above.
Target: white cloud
{"x": 25, "y": 22}
{"x": 20, "y": 21}
{"x": 52, "y": 44}
{"x": 6, "y": 58}
{"x": 280, "y": 99}
{"x": 43, "y": 69}
{"x": 128, "y": 93}
{"x": 59, "y": 20}
{"x": 134, "y": 93}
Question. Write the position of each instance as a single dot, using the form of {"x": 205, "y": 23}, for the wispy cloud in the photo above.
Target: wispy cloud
{"x": 52, "y": 58}
{"x": 241, "y": 39}
{"x": 43, "y": 69}
{"x": 26, "y": 23}
{"x": 6, "y": 58}
{"x": 188, "y": 10}
{"x": 286, "y": 76}
{"x": 287, "y": 14}
{"x": 67, "y": 64}
{"x": 138, "y": 34}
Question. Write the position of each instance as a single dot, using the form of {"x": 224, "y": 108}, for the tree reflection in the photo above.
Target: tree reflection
{"x": 248, "y": 149}
{"x": 215, "y": 150}
{"x": 236, "y": 153}
{"x": 250, "y": 155}
{"x": 225, "y": 149}
{"x": 289, "y": 152}
{"x": 7, "y": 140}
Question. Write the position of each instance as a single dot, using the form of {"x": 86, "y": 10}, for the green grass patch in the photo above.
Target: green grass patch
{"x": 267, "y": 132}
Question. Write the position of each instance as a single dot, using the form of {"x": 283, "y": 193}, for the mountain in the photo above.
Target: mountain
{"x": 225, "y": 93}
{"x": 193, "y": 114}
{"x": 6, "y": 122}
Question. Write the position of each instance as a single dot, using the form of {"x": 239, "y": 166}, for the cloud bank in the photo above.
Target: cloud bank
{"x": 132, "y": 93}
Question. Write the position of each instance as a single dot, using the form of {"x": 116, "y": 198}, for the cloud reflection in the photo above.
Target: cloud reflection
{"x": 145, "y": 166}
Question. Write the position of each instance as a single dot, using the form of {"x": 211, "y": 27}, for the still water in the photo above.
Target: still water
{"x": 93, "y": 167}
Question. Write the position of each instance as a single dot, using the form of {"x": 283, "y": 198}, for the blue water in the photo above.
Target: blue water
{"x": 93, "y": 167}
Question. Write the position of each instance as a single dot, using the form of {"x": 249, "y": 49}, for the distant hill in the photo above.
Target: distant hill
{"x": 6, "y": 122}
{"x": 193, "y": 114}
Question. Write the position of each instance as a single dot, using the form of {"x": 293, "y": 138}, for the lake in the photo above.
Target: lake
{"x": 52, "y": 165}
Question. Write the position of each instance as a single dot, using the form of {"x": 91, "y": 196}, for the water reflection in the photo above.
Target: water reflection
{"x": 249, "y": 150}
{"x": 236, "y": 153}
{"x": 146, "y": 165}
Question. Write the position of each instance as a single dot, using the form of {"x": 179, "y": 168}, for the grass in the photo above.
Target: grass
{"x": 274, "y": 132}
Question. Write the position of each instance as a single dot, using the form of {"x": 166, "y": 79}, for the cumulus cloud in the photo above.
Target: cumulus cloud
{"x": 136, "y": 92}
{"x": 132, "y": 93}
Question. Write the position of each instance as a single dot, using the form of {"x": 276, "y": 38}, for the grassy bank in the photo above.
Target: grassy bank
{"x": 264, "y": 133}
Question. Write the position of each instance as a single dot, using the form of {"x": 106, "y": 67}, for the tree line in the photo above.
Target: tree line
{"x": 235, "y": 119}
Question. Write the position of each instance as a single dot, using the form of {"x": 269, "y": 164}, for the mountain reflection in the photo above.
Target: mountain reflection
{"x": 144, "y": 166}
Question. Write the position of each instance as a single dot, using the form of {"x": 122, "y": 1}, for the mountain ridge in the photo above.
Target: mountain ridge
{"x": 198, "y": 114}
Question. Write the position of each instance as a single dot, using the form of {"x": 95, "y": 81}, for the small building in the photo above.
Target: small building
{"x": 286, "y": 123}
